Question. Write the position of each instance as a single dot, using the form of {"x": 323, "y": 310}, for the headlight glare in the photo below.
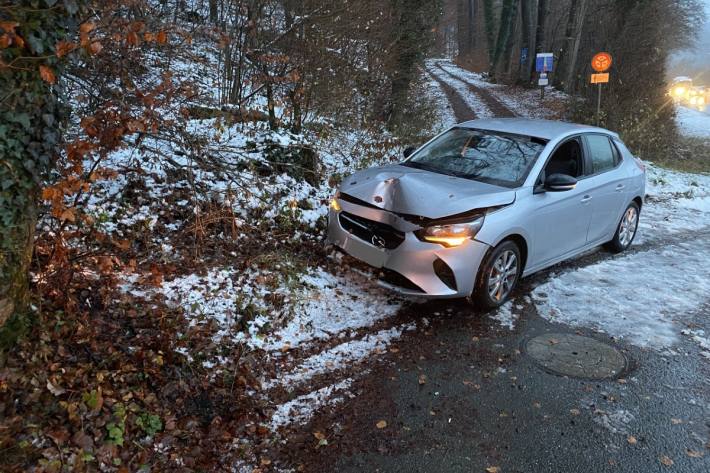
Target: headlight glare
{"x": 451, "y": 234}
{"x": 334, "y": 204}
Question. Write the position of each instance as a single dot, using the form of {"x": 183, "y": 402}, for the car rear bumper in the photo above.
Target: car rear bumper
{"x": 414, "y": 267}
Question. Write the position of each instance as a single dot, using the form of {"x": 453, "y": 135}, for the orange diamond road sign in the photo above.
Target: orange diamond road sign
{"x": 600, "y": 78}
{"x": 601, "y": 62}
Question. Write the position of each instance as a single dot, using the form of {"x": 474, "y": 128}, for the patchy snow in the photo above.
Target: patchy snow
{"x": 301, "y": 409}
{"x": 636, "y": 297}
{"x": 616, "y": 422}
{"x": 701, "y": 339}
{"x": 693, "y": 122}
{"x": 331, "y": 306}
{"x": 436, "y": 94}
{"x": 339, "y": 357}
{"x": 505, "y": 315}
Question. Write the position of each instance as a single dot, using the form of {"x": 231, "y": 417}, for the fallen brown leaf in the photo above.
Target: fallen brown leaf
{"x": 493, "y": 469}
{"x": 381, "y": 424}
{"x": 694, "y": 453}
{"x": 666, "y": 460}
{"x": 574, "y": 412}
{"x": 422, "y": 379}
{"x": 632, "y": 440}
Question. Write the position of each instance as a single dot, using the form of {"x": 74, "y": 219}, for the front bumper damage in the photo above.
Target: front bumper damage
{"x": 404, "y": 263}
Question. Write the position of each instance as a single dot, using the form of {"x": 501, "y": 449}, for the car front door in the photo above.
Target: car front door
{"x": 561, "y": 219}
{"x": 606, "y": 181}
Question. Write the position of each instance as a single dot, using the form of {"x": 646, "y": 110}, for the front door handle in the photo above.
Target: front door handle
{"x": 620, "y": 187}
{"x": 586, "y": 199}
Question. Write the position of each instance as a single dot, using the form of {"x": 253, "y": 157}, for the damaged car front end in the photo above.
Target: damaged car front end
{"x": 395, "y": 220}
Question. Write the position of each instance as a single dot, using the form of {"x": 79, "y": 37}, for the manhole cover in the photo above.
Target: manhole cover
{"x": 573, "y": 355}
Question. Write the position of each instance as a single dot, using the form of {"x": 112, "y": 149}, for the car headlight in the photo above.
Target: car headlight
{"x": 451, "y": 234}
{"x": 334, "y": 204}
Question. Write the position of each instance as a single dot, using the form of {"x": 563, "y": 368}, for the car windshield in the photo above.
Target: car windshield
{"x": 492, "y": 157}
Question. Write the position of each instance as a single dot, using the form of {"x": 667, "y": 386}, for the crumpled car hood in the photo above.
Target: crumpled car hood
{"x": 411, "y": 191}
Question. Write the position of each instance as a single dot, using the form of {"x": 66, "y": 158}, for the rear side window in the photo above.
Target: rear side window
{"x": 602, "y": 153}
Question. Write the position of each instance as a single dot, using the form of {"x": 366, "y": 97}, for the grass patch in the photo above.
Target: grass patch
{"x": 691, "y": 155}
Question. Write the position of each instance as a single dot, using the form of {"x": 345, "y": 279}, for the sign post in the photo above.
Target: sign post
{"x": 544, "y": 63}
{"x": 601, "y": 62}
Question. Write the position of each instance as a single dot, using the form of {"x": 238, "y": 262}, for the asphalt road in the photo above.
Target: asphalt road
{"x": 462, "y": 395}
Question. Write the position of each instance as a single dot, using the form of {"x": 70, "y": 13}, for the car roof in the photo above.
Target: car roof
{"x": 546, "y": 129}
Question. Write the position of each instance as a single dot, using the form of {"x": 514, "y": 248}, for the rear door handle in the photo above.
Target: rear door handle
{"x": 586, "y": 199}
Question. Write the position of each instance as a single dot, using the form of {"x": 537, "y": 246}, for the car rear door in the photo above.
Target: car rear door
{"x": 606, "y": 184}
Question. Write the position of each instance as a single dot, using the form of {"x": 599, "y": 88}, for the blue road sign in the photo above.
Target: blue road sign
{"x": 544, "y": 62}
{"x": 524, "y": 56}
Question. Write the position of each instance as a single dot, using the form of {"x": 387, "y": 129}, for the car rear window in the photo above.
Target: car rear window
{"x": 602, "y": 153}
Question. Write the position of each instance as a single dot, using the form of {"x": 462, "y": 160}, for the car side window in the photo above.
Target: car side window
{"x": 602, "y": 153}
{"x": 567, "y": 159}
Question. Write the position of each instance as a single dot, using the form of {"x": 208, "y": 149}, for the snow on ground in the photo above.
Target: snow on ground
{"x": 472, "y": 100}
{"x": 637, "y": 297}
{"x": 676, "y": 202}
{"x": 301, "y": 409}
{"x": 341, "y": 356}
{"x": 447, "y": 118}
{"x": 505, "y": 315}
{"x": 333, "y": 306}
{"x": 524, "y": 102}
{"x": 701, "y": 339}
{"x": 643, "y": 297}
{"x": 693, "y": 122}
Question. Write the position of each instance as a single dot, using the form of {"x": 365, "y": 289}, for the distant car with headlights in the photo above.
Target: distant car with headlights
{"x": 487, "y": 202}
{"x": 697, "y": 97}
{"x": 680, "y": 88}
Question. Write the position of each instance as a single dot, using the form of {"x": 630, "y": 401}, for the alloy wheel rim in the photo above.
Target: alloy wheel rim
{"x": 627, "y": 229}
{"x": 502, "y": 275}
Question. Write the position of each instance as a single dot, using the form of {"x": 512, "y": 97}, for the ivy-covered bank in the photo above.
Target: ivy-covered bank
{"x": 30, "y": 124}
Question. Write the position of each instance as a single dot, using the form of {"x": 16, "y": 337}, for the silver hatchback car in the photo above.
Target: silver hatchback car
{"x": 487, "y": 202}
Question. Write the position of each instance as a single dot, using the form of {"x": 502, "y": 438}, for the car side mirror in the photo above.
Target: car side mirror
{"x": 408, "y": 151}
{"x": 560, "y": 183}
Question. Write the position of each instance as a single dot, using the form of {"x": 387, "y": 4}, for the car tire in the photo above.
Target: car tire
{"x": 485, "y": 294}
{"x": 626, "y": 229}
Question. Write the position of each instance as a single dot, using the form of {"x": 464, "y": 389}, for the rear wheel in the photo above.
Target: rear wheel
{"x": 626, "y": 230}
{"x": 498, "y": 275}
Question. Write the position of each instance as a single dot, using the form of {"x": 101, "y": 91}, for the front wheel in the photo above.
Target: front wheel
{"x": 497, "y": 275}
{"x": 626, "y": 230}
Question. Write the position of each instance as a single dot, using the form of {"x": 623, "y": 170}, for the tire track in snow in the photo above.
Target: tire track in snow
{"x": 472, "y": 100}
{"x": 491, "y": 107}
{"x": 461, "y": 109}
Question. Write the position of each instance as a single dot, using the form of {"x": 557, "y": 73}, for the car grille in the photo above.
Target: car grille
{"x": 375, "y": 233}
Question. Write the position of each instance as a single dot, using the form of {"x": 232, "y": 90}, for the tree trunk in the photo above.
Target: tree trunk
{"x": 490, "y": 22}
{"x": 15, "y": 264}
{"x": 526, "y": 28}
{"x": 572, "y": 62}
{"x": 213, "y": 12}
{"x": 507, "y": 17}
